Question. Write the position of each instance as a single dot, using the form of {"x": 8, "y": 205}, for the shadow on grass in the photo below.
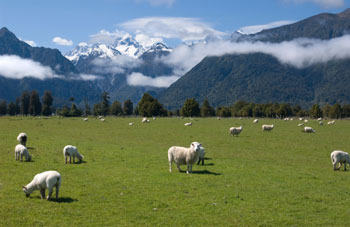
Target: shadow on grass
{"x": 59, "y": 200}
{"x": 206, "y": 172}
{"x": 79, "y": 163}
{"x": 31, "y": 148}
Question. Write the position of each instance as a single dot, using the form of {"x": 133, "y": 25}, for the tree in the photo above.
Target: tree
{"x": 87, "y": 107}
{"x": 327, "y": 110}
{"x": 315, "y": 111}
{"x": 97, "y": 109}
{"x": 18, "y": 105}
{"x": 116, "y": 109}
{"x": 346, "y": 110}
{"x": 284, "y": 110}
{"x": 104, "y": 106}
{"x": 223, "y": 111}
{"x": 128, "y": 107}
{"x": 74, "y": 111}
{"x": 47, "y": 103}
{"x": 149, "y": 106}
{"x": 336, "y": 111}
{"x": 34, "y": 104}
{"x": 206, "y": 109}
{"x": 64, "y": 111}
{"x": 11, "y": 109}
{"x": 3, "y": 108}
{"x": 190, "y": 108}
{"x": 25, "y": 99}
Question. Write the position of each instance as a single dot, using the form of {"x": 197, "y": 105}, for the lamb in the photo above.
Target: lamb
{"x": 256, "y": 121}
{"x": 85, "y": 119}
{"x": 188, "y": 124}
{"x": 306, "y": 121}
{"x": 267, "y": 127}
{"x": 308, "y": 130}
{"x": 102, "y": 119}
{"x": 145, "y": 120}
{"x": 21, "y": 151}
{"x": 72, "y": 151}
{"x": 183, "y": 155}
{"x": 236, "y": 130}
{"x": 301, "y": 124}
{"x": 331, "y": 122}
{"x": 340, "y": 157}
{"x": 131, "y": 123}
{"x": 319, "y": 119}
{"x": 43, "y": 181}
{"x": 201, "y": 155}
{"x": 321, "y": 123}
{"x": 22, "y": 138}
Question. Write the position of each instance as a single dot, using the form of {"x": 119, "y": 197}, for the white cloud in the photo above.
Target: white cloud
{"x": 117, "y": 65}
{"x": 138, "y": 79}
{"x": 61, "y": 41}
{"x": 185, "y": 29}
{"x": 88, "y": 77}
{"x": 107, "y": 37}
{"x": 30, "y": 42}
{"x": 298, "y": 53}
{"x": 322, "y": 3}
{"x": 168, "y": 3}
{"x": 258, "y": 28}
{"x": 12, "y": 66}
{"x": 147, "y": 41}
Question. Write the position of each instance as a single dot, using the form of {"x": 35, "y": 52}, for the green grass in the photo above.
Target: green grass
{"x": 279, "y": 178}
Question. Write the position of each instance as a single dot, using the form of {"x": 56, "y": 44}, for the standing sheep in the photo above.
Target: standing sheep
{"x": 256, "y": 121}
{"x": 308, "y": 130}
{"x": 71, "y": 151}
{"x": 21, "y": 151}
{"x": 43, "y": 181}
{"x": 22, "y": 138}
{"x": 236, "y": 130}
{"x": 188, "y": 124}
{"x": 183, "y": 155}
{"x": 340, "y": 157}
{"x": 267, "y": 127}
{"x": 201, "y": 155}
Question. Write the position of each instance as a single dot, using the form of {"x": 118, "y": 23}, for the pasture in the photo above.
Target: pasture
{"x": 278, "y": 178}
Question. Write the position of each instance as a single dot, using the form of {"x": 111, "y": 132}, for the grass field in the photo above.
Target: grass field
{"x": 279, "y": 178}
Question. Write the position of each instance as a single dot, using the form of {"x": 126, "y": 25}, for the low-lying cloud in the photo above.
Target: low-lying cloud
{"x": 258, "y": 28}
{"x": 62, "y": 42}
{"x": 117, "y": 65}
{"x": 138, "y": 79}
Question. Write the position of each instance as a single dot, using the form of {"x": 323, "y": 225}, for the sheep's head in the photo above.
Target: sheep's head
{"x": 25, "y": 191}
{"x": 29, "y": 158}
{"x": 80, "y": 158}
{"x": 196, "y": 146}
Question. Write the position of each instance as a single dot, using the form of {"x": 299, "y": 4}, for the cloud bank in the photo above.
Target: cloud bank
{"x": 138, "y": 79}
{"x": 322, "y": 3}
{"x": 258, "y": 28}
{"x": 117, "y": 65}
{"x": 62, "y": 42}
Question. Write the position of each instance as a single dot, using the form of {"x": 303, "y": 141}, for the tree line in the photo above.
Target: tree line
{"x": 29, "y": 103}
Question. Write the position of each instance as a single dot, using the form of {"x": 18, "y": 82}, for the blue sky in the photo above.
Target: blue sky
{"x": 76, "y": 21}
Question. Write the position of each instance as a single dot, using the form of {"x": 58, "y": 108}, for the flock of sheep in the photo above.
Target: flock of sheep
{"x": 178, "y": 155}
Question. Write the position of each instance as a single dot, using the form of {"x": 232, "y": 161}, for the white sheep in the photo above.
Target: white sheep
{"x": 256, "y": 121}
{"x": 321, "y": 123}
{"x": 102, "y": 119}
{"x": 72, "y": 151}
{"x": 236, "y": 130}
{"x": 340, "y": 157}
{"x": 188, "y": 124}
{"x": 154, "y": 118}
{"x": 85, "y": 119}
{"x": 145, "y": 120}
{"x": 218, "y": 118}
{"x": 319, "y": 119}
{"x": 308, "y": 130}
{"x": 306, "y": 120}
{"x": 131, "y": 123}
{"x": 301, "y": 119}
{"x": 301, "y": 124}
{"x": 184, "y": 156}
{"x": 43, "y": 181}
{"x": 331, "y": 122}
{"x": 201, "y": 155}
{"x": 21, "y": 151}
{"x": 22, "y": 138}
{"x": 267, "y": 127}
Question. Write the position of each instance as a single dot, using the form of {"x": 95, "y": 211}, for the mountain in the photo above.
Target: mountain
{"x": 262, "y": 78}
{"x": 68, "y": 84}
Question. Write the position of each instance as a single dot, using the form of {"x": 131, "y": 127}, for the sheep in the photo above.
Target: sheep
{"x": 183, "y": 155}
{"x": 131, "y": 123}
{"x": 340, "y": 157}
{"x": 236, "y": 130}
{"x": 85, "y": 119}
{"x": 145, "y": 120}
{"x": 267, "y": 127}
{"x": 331, "y": 122}
{"x": 188, "y": 124}
{"x": 102, "y": 119}
{"x": 21, "y": 151}
{"x": 201, "y": 155}
{"x": 218, "y": 118}
{"x": 154, "y": 118}
{"x": 22, "y": 138}
{"x": 306, "y": 121}
{"x": 286, "y": 119}
{"x": 301, "y": 124}
{"x": 319, "y": 119}
{"x": 43, "y": 181}
{"x": 301, "y": 119}
{"x": 308, "y": 130}
{"x": 320, "y": 123}
{"x": 72, "y": 151}
{"x": 256, "y": 121}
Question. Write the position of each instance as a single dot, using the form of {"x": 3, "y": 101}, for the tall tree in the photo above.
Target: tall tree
{"x": 336, "y": 111}
{"x": 128, "y": 107}
{"x": 116, "y": 109}
{"x": 25, "y": 99}
{"x": 11, "y": 109}
{"x": 104, "y": 106}
{"x": 47, "y": 103}
{"x": 190, "y": 108}
{"x": 149, "y": 106}
{"x": 206, "y": 109}
{"x": 18, "y": 105}
{"x": 316, "y": 111}
{"x": 3, "y": 108}
{"x": 74, "y": 111}
{"x": 87, "y": 111}
{"x": 34, "y": 104}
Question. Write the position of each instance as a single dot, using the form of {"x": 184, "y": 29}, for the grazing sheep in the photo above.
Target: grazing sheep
{"x": 43, "y": 181}
{"x": 321, "y": 123}
{"x": 218, "y": 118}
{"x": 99, "y": 117}
{"x": 286, "y": 119}
{"x": 102, "y": 119}
{"x": 72, "y": 151}
{"x": 236, "y": 130}
{"x": 154, "y": 118}
{"x": 201, "y": 155}
{"x": 22, "y": 138}
{"x": 188, "y": 124}
{"x": 183, "y": 155}
{"x": 85, "y": 119}
{"x": 331, "y": 122}
{"x": 301, "y": 124}
{"x": 131, "y": 123}
{"x": 306, "y": 121}
{"x": 21, "y": 151}
{"x": 256, "y": 121}
{"x": 267, "y": 127}
{"x": 308, "y": 130}
{"x": 145, "y": 120}
{"x": 340, "y": 157}
{"x": 319, "y": 119}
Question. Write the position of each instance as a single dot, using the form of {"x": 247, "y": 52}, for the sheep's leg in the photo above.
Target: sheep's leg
{"x": 199, "y": 161}
{"x": 73, "y": 159}
{"x": 66, "y": 157}
{"x": 170, "y": 169}
{"x": 202, "y": 161}
{"x": 344, "y": 166}
{"x": 334, "y": 166}
{"x": 70, "y": 159}
{"x": 21, "y": 157}
{"x": 178, "y": 167}
{"x": 189, "y": 168}
{"x": 50, "y": 193}
{"x": 42, "y": 192}
{"x": 57, "y": 189}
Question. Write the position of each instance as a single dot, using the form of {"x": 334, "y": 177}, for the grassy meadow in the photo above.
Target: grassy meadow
{"x": 278, "y": 178}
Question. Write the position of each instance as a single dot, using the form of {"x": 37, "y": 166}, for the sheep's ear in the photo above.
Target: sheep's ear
{"x": 192, "y": 144}
{"x": 24, "y": 188}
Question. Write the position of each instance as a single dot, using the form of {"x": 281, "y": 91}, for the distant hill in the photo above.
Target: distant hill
{"x": 262, "y": 78}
